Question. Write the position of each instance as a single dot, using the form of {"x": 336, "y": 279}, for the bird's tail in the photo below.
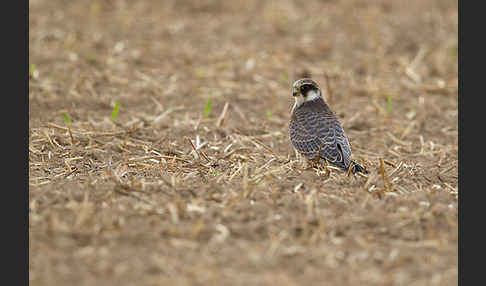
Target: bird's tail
{"x": 358, "y": 168}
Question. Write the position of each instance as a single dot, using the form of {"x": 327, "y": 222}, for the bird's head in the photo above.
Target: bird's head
{"x": 305, "y": 89}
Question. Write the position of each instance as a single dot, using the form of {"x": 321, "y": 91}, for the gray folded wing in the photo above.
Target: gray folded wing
{"x": 315, "y": 128}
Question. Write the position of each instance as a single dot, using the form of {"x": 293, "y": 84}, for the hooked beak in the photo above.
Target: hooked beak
{"x": 295, "y": 93}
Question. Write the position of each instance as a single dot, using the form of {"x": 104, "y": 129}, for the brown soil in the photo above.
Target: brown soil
{"x": 129, "y": 202}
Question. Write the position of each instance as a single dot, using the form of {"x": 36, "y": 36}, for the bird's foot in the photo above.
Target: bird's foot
{"x": 322, "y": 169}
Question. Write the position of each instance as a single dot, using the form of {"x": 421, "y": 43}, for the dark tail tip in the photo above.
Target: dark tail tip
{"x": 358, "y": 168}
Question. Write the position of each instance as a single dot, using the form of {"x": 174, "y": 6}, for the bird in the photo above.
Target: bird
{"x": 315, "y": 131}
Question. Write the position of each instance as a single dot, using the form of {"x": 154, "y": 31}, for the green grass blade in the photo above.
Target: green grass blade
{"x": 31, "y": 70}
{"x": 114, "y": 114}
{"x": 269, "y": 113}
{"x": 284, "y": 77}
{"x": 207, "y": 111}
{"x": 66, "y": 118}
{"x": 388, "y": 104}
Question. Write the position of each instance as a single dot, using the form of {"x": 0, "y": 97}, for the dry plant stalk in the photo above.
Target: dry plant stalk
{"x": 221, "y": 117}
{"x": 348, "y": 173}
{"x": 246, "y": 189}
{"x": 384, "y": 176}
{"x": 199, "y": 152}
{"x": 71, "y": 135}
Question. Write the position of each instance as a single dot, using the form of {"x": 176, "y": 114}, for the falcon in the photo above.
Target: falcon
{"x": 315, "y": 131}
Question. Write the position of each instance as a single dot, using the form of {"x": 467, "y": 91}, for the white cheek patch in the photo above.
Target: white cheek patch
{"x": 312, "y": 94}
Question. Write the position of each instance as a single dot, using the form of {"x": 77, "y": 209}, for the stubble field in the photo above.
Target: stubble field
{"x": 195, "y": 182}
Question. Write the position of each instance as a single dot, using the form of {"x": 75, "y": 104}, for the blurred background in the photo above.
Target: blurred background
{"x": 191, "y": 50}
